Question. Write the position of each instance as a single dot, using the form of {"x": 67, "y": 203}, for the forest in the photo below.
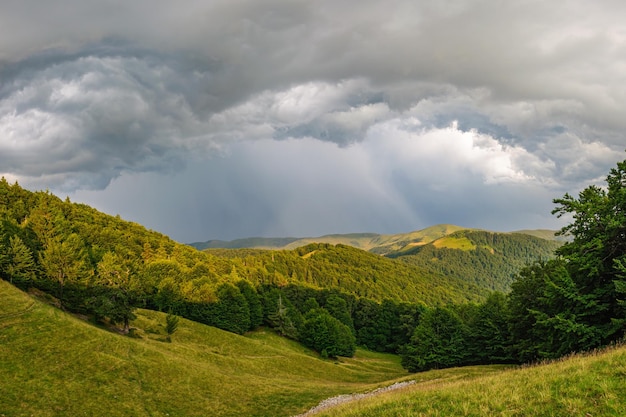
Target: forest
{"x": 333, "y": 298}
{"x": 489, "y": 260}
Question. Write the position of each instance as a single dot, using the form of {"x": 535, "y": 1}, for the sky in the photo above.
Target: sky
{"x": 226, "y": 119}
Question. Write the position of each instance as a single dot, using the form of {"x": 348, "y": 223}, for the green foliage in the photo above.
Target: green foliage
{"x": 439, "y": 341}
{"x": 575, "y": 303}
{"x": 548, "y": 313}
{"x": 489, "y": 337}
{"x": 338, "y": 308}
{"x": 64, "y": 261}
{"x": 254, "y": 303}
{"x": 327, "y": 335}
{"x": 19, "y": 264}
{"x": 281, "y": 314}
{"x": 492, "y": 262}
{"x": 171, "y": 325}
{"x": 231, "y": 311}
{"x": 597, "y": 251}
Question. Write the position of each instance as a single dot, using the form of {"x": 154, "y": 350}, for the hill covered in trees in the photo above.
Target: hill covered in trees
{"x": 487, "y": 259}
{"x": 104, "y": 267}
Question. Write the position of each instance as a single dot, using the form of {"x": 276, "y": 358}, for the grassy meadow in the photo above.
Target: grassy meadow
{"x": 589, "y": 385}
{"x": 54, "y": 364}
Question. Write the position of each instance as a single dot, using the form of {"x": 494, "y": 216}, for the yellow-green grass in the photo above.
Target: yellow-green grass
{"x": 583, "y": 385}
{"x": 54, "y": 364}
{"x": 451, "y": 242}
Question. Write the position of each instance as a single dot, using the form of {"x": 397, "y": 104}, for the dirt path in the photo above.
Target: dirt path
{"x": 341, "y": 399}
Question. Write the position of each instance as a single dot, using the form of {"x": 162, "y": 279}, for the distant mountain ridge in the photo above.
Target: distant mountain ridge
{"x": 381, "y": 244}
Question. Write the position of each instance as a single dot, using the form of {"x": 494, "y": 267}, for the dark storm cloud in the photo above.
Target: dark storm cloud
{"x": 525, "y": 96}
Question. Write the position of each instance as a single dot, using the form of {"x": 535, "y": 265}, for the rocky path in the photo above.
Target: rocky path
{"x": 340, "y": 399}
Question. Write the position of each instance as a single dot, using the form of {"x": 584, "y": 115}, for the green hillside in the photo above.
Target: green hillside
{"x": 584, "y": 385}
{"x": 486, "y": 259}
{"x": 54, "y": 364}
{"x": 353, "y": 271}
{"x": 482, "y": 259}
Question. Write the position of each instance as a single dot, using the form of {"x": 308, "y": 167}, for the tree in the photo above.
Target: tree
{"x": 171, "y": 325}
{"x": 596, "y": 251}
{"x": 439, "y": 341}
{"x": 254, "y": 304}
{"x": 281, "y": 314}
{"x": 65, "y": 261}
{"x": 20, "y": 266}
{"x": 338, "y": 308}
{"x": 327, "y": 335}
{"x": 489, "y": 331}
{"x": 232, "y": 312}
{"x": 113, "y": 295}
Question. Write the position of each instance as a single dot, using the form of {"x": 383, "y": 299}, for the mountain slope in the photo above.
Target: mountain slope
{"x": 55, "y": 364}
{"x": 486, "y": 259}
{"x": 585, "y": 385}
{"x": 353, "y": 271}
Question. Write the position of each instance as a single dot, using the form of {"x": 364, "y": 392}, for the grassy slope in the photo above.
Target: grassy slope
{"x": 590, "y": 385}
{"x": 53, "y": 364}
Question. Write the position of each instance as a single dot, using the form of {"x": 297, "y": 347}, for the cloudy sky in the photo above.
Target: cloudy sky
{"x": 234, "y": 118}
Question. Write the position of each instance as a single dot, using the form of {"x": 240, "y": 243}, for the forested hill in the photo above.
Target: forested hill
{"x": 357, "y": 272}
{"x": 104, "y": 268}
{"x": 486, "y": 259}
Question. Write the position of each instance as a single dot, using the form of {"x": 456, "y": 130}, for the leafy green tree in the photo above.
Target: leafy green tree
{"x": 232, "y": 312}
{"x": 282, "y": 315}
{"x": 20, "y": 266}
{"x": 366, "y": 321}
{"x": 439, "y": 341}
{"x": 338, "y": 308}
{"x": 327, "y": 335}
{"x": 596, "y": 251}
{"x": 64, "y": 261}
{"x": 113, "y": 292}
{"x": 310, "y": 304}
{"x": 489, "y": 335}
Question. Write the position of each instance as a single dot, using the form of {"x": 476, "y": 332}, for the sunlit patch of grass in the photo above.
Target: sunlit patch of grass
{"x": 454, "y": 242}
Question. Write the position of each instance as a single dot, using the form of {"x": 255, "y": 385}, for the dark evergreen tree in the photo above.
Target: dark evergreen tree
{"x": 171, "y": 325}
{"x": 338, "y": 308}
{"x": 232, "y": 312}
{"x": 254, "y": 303}
{"x": 327, "y": 335}
{"x": 596, "y": 251}
{"x": 439, "y": 341}
{"x": 489, "y": 336}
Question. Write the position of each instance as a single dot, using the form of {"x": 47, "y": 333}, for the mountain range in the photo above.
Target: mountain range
{"x": 484, "y": 258}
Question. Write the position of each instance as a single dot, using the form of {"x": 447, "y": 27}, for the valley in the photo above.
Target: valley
{"x": 101, "y": 314}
